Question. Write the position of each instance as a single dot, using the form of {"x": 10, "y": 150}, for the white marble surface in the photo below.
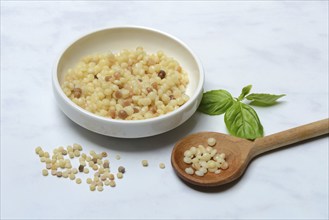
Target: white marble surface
{"x": 279, "y": 47}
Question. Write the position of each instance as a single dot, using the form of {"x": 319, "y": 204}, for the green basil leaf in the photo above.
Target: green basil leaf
{"x": 242, "y": 121}
{"x": 262, "y": 99}
{"x": 245, "y": 91}
{"x": 215, "y": 102}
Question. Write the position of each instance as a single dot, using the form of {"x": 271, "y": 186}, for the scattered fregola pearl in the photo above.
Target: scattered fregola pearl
{"x": 95, "y": 161}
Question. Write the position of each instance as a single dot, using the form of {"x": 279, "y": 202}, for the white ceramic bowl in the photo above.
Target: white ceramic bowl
{"x": 116, "y": 39}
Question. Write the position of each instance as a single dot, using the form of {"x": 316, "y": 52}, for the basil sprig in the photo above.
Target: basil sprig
{"x": 241, "y": 119}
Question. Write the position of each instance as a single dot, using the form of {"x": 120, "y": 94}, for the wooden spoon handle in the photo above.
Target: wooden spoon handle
{"x": 290, "y": 136}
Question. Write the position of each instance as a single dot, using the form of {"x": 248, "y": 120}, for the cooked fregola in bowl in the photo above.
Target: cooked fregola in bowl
{"x": 130, "y": 85}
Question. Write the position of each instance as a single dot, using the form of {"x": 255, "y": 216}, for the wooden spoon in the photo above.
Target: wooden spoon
{"x": 239, "y": 152}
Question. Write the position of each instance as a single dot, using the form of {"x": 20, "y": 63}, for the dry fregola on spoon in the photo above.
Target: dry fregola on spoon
{"x": 239, "y": 152}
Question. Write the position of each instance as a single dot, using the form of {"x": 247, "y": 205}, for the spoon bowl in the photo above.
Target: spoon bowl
{"x": 235, "y": 149}
{"x": 239, "y": 152}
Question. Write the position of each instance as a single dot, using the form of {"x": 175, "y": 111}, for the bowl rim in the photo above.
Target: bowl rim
{"x": 59, "y": 90}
